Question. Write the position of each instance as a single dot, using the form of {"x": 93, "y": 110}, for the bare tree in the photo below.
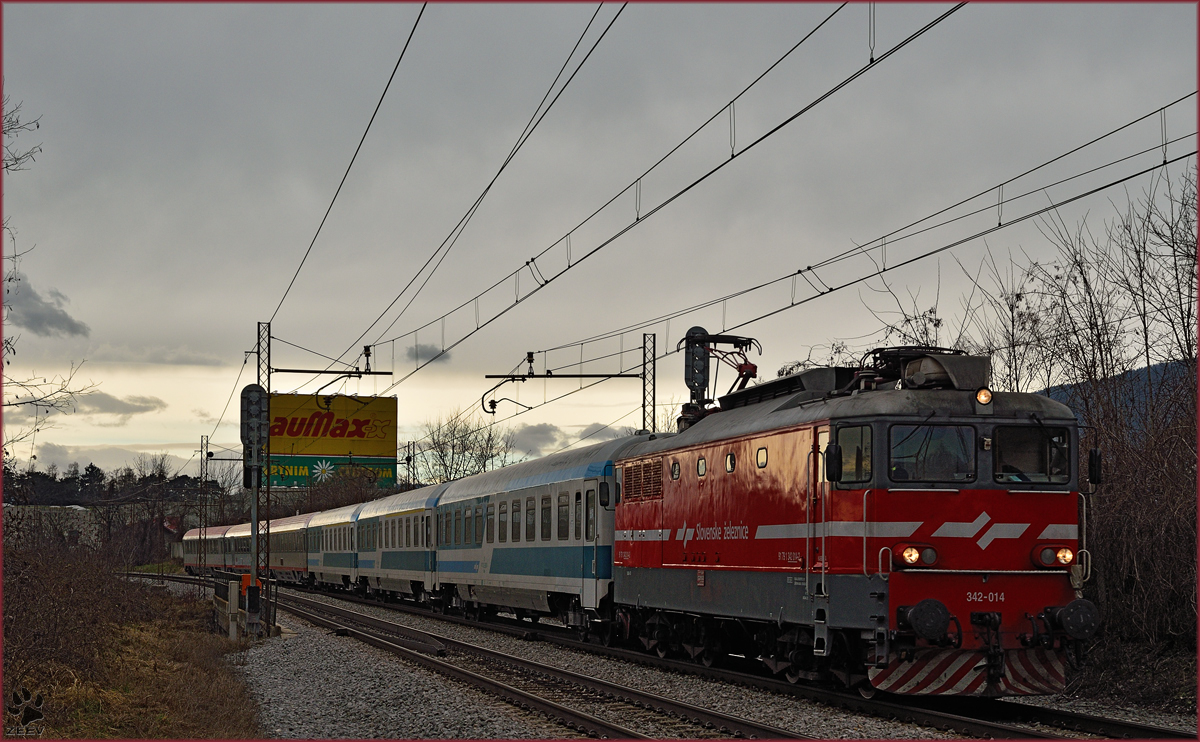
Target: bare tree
{"x": 458, "y": 445}
{"x": 28, "y": 402}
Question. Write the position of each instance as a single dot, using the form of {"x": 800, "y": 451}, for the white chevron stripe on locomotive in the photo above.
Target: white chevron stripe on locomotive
{"x": 1060, "y": 530}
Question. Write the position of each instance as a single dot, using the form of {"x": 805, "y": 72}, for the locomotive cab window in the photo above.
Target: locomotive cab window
{"x": 1031, "y": 454}
{"x": 855, "y": 442}
{"x": 674, "y": 470}
{"x": 932, "y": 453}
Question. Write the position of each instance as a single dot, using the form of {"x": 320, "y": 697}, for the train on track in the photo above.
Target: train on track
{"x": 891, "y": 526}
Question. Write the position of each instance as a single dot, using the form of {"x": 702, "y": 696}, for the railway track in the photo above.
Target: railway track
{"x": 557, "y": 693}
{"x": 985, "y": 718}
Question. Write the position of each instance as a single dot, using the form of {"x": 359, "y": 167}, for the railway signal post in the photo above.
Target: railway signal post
{"x": 255, "y": 425}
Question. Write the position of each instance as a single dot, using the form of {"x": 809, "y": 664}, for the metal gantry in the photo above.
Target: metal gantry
{"x": 202, "y": 542}
{"x": 261, "y": 537}
{"x": 649, "y": 418}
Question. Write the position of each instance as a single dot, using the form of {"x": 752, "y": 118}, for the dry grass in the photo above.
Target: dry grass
{"x": 168, "y": 678}
{"x": 113, "y": 659}
{"x": 1138, "y": 675}
{"x": 172, "y": 566}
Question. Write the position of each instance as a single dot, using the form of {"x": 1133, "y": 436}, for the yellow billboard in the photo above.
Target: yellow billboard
{"x": 308, "y": 425}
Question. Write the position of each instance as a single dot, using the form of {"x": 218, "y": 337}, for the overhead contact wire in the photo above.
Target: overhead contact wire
{"x": 458, "y": 228}
{"x": 917, "y": 34}
{"x": 348, "y": 167}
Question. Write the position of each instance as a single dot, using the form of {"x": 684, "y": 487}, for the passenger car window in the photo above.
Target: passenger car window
{"x": 1032, "y": 454}
{"x": 564, "y": 517}
{"x": 546, "y": 518}
{"x": 578, "y": 516}
{"x": 516, "y": 521}
{"x": 932, "y": 453}
{"x": 503, "y": 522}
{"x": 478, "y": 525}
{"x": 591, "y": 515}
{"x": 530, "y": 519}
{"x": 491, "y": 523}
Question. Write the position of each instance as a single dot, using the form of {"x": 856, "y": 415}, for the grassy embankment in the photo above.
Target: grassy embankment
{"x": 113, "y": 659}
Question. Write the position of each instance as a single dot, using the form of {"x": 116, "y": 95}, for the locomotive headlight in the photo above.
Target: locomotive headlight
{"x": 910, "y": 555}
{"x": 983, "y": 396}
{"x": 1064, "y": 555}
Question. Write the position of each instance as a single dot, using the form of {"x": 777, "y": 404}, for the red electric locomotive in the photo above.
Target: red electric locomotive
{"x": 896, "y": 526}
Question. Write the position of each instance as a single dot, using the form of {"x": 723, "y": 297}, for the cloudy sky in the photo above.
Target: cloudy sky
{"x": 189, "y": 154}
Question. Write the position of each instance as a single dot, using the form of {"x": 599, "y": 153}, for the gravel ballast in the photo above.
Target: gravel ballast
{"x": 790, "y": 713}
{"x": 311, "y": 684}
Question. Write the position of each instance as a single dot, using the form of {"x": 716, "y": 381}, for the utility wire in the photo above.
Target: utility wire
{"x": 451, "y": 239}
{"x": 879, "y": 272}
{"x": 649, "y": 170}
{"x": 598, "y": 430}
{"x": 842, "y": 256}
{"x": 352, "y": 159}
{"x": 546, "y": 281}
{"x": 529, "y": 128}
{"x": 308, "y": 350}
{"x": 1014, "y": 178}
{"x": 235, "y": 388}
{"x": 696, "y": 307}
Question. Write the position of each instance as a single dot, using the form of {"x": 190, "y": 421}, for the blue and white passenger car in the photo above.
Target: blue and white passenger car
{"x": 535, "y": 537}
{"x": 397, "y": 556}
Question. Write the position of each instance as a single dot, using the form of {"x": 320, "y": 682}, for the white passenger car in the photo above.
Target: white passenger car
{"x": 334, "y": 561}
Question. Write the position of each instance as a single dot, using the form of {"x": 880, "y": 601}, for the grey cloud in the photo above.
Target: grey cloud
{"x": 597, "y": 432}
{"x": 94, "y": 403}
{"x": 121, "y": 410}
{"x": 52, "y": 453}
{"x": 535, "y": 440}
{"x": 40, "y": 315}
{"x": 108, "y": 458}
{"x": 427, "y": 352}
{"x": 102, "y": 403}
{"x": 174, "y": 356}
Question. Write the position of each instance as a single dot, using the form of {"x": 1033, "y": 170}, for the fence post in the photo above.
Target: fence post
{"x": 232, "y": 607}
